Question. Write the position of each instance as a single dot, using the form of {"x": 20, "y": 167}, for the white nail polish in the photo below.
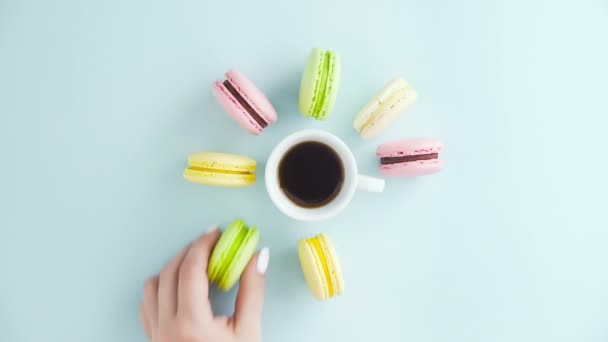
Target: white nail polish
{"x": 263, "y": 259}
{"x": 212, "y": 229}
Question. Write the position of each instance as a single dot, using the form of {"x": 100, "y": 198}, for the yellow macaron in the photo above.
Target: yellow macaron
{"x": 220, "y": 169}
{"x": 321, "y": 267}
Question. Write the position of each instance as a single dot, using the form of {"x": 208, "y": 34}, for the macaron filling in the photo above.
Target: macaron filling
{"x": 315, "y": 244}
{"x": 320, "y": 97}
{"x": 255, "y": 115}
{"x": 405, "y": 159}
{"x": 206, "y": 169}
{"x": 230, "y": 256}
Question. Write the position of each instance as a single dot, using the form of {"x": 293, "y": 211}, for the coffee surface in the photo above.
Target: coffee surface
{"x": 311, "y": 174}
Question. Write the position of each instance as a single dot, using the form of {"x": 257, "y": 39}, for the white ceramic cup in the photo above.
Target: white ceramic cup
{"x": 352, "y": 180}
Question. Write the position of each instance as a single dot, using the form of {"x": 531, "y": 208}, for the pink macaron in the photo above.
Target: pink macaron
{"x": 410, "y": 157}
{"x": 244, "y": 102}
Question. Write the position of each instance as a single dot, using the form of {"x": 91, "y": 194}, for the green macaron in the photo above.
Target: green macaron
{"x": 231, "y": 254}
{"x": 319, "y": 85}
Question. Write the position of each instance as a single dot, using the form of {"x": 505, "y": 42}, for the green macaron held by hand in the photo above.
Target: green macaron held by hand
{"x": 231, "y": 254}
{"x": 319, "y": 85}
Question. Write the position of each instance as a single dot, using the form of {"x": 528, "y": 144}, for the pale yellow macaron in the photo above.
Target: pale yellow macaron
{"x": 321, "y": 267}
{"x": 220, "y": 169}
{"x": 384, "y": 108}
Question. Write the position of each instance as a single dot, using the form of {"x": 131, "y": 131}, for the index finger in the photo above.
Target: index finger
{"x": 193, "y": 286}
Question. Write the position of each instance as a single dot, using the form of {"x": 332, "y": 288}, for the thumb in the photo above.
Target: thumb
{"x": 250, "y": 299}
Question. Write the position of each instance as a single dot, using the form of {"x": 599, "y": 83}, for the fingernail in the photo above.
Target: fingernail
{"x": 263, "y": 258}
{"x": 212, "y": 229}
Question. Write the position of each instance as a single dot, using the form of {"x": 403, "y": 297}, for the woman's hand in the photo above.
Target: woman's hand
{"x": 176, "y": 307}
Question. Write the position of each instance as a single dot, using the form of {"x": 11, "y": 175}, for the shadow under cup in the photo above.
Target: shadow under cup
{"x": 311, "y": 175}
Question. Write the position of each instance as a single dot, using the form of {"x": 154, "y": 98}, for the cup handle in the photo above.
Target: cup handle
{"x": 370, "y": 184}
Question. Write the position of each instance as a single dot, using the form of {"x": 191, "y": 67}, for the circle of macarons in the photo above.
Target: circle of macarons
{"x": 220, "y": 169}
{"x": 231, "y": 254}
{"x": 319, "y": 84}
{"x": 321, "y": 267}
{"x": 244, "y": 102}
{"x": 410, "y": 157}
{"x": 384, "y": 109}
{"x": 252, "y": 111}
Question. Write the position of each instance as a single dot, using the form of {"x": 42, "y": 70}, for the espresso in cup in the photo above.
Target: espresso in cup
{"x": 311, "y": 174}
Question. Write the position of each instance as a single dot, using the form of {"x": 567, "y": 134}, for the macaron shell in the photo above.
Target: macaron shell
{"x": 412, "y": 169}
{"x": 218, "y": 178}
{"x": 235, "y": 109}
{"x": 313, "y": 272}
{"x": 240, "y": 260}
{"x": 222, "y": 161}
{"x": 308, "y": 84}
{"x": 331, "y": 258}
{"x": 384, "y": 108}
{"x": 253, "y": 95}
{"x": 393, "y": 87}
{"x": 222, "y": 249}
{"x": 409, "y": 147}
{"x": 220, "y": 169}
{"x": 366, "y": 114}
{"x": 386, "y": 119}
{"x": 374, "y": 109}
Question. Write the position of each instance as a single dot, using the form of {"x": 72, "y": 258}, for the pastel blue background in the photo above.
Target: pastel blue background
{"x": 101, "y": 102}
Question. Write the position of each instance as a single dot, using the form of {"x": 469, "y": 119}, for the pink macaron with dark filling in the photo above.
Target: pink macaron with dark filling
{"x": 410, "y": 157}
{"x": 244, "y": 102}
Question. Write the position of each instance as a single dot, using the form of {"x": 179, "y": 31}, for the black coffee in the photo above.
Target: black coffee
{"x": 311, "y": 174}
